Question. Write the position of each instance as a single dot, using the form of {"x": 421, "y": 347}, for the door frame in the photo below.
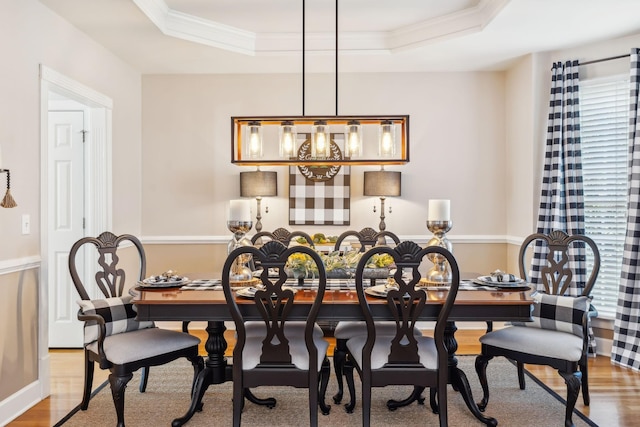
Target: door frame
{"x": 98, "y": 185}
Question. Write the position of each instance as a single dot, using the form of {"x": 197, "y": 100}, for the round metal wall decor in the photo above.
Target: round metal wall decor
{"x": 319, "y": 173}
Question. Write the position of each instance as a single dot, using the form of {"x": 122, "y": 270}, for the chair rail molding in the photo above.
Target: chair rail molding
{"x": 19, "y": 264}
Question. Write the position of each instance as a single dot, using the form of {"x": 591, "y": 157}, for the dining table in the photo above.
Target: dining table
{"x": 340, "y": 303}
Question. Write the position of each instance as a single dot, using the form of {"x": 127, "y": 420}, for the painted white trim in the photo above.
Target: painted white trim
{"x": 19, "y": 264}
{"x": 193, "y": 28}
{"x": 18, "y": 403}
{"x": 78, "y": 89}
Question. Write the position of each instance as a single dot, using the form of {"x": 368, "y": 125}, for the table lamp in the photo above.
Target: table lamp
{"x": 384, "y": 184}
{"x": 258, "y": 184}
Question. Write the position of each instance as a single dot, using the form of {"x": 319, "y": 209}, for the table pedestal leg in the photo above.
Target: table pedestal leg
{"x": 457, "y": 379}
{"x": 216, "y": 370}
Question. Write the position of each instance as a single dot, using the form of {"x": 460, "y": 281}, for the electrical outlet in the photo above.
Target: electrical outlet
{"x": 26, "y": 224}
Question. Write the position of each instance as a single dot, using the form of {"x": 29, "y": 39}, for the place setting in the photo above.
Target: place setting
{"x": 501, "y": 280}
{"x": 168, "y": 279}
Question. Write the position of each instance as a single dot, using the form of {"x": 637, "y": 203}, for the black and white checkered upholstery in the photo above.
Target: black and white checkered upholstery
{"x": 625, "y": 349}
{"x": 118, "y": 314}
{"x": 558, "y": 313}
{"x": 562, "y": 196}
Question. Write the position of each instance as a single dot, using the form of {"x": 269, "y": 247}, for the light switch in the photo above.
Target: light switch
{"x": 26, "y": 224}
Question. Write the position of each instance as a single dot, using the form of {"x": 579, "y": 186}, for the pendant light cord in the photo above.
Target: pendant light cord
{"x": 336, "y": 58}
{"x": 303, "y": 53}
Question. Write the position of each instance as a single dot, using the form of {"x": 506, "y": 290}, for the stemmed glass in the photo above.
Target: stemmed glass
{"x": 240, "y": 271}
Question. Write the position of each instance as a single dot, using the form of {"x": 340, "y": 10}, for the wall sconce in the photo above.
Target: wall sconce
{"x": 384, "y": 184}
{"x": 258, "y": 184}
{"x": 7, "y": 201}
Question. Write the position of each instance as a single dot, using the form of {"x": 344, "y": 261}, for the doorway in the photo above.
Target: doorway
{"x": 76, "y": 195}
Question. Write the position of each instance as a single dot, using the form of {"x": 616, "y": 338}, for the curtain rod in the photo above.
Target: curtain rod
{"x": 595, "y": 61}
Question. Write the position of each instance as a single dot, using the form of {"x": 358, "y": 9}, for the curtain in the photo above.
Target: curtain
{"x": 626, "y": 331}
{"x": 562, "y": 197}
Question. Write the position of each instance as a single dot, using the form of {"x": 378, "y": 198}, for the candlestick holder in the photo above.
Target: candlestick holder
{"x": 439, "y": 274}
{"x": 240, "y": 271}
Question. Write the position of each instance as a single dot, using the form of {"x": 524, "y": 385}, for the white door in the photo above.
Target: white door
{"x": 66, "y": 222}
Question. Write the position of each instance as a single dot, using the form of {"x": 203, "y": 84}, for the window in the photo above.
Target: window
{"x": 604, "y": 122}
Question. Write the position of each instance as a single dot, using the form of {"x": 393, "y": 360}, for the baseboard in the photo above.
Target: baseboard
{"x": 19, "y": 402}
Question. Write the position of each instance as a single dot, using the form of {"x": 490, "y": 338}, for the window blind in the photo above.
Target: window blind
{"x": 604, "y": 123}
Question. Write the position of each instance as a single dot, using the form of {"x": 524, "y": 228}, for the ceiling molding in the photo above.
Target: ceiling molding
{"x": 195, "y": 29}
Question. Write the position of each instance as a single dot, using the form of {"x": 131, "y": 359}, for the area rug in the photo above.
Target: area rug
{"x": 167, "y": 397}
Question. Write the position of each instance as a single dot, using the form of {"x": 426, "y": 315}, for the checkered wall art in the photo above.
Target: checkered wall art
{"x": 319, "y": 195}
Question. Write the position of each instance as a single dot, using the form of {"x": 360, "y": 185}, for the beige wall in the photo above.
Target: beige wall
{"x": 31, "y": 35}
{"x": 457, "y": 147}
{"x": 18, "y": 331}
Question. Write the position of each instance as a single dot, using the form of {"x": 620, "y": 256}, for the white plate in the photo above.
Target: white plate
{"x": 153, "y": 283}
{"x": 487, "y": 280}
{"x": 250, "y": 291}
{"x": 379, "y": 291}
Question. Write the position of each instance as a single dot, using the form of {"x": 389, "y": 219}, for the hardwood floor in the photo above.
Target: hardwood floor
{"x": 613, "y": 389}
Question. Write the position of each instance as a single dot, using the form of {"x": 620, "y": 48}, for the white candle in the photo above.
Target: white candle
{"x": 239, "y": 210}
{"x": 439, "y": 210}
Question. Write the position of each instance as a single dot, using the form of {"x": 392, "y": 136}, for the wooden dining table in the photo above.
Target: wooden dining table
{"x": 471, "y": 305}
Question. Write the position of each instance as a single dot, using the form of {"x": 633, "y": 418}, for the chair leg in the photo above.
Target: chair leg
{"x": 325, "y": 372}
{"x": 573, "y": 380}
{"x": 521, "y": 382}
{"x": 144, "y": 378}
{"x": 366, "y": 401}
{"x": 442, "y": 404}
{"x": 88, "y": 383}
{"x": 348, "y": 375}
{"x": 481, "y": 369}
{"x": 339, "y": 356}
{"x": 238, "y": 403}
{"x": 118, "y": 387}
{"x": 313, "y": 406}
{"x": 585, "y": 381}
{"x": 433, "y": 394}
{"x": 198, "y": 365}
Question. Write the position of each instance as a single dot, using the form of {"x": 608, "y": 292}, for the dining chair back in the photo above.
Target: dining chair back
{"x": 342, "y": 331}
{"x": 367, "y": 238}
{"x": 113, "y": 337}
{"x": 282, "y": 235}
{"x": 402, "y": 357}
{"x": 287, "y": 351}
{"x": 558, "y": 335}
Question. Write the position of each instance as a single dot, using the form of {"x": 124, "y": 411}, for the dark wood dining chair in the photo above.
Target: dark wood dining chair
{"x": 402, "y": 357}
{"x": 342, "y": 331}
{"x": 112, "y": 336}
{"x": 367, "y": 237}
{"x": 282, "y": 235}
{"x": 285, "y": 352}
{"x": 558, "y": 336}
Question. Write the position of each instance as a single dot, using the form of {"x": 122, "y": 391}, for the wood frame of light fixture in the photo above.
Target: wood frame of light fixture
{"x": 237, "y": 147}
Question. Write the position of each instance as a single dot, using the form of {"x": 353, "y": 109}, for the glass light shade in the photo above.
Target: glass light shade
{"x": 254, "y": 145}
{"x": 353, "y": 139}
{"x": 387, "y": 139}
{"x": 320, "y": 140}
{"x": 288, "y": 137}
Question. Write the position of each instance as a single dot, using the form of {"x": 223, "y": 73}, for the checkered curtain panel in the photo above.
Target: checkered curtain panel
{"x": 562, "y": 197}
{"x": 319, "y": 202}
{"x": 626, "y": 332}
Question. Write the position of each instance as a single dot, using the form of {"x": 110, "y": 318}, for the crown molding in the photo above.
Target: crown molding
{"x": 192, "y": 28}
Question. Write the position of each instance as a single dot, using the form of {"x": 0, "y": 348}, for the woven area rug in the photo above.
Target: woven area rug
{"x": 167, "y": 397}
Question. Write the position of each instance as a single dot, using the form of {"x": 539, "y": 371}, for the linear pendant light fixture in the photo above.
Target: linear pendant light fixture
{"x": 320, "y": 140}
